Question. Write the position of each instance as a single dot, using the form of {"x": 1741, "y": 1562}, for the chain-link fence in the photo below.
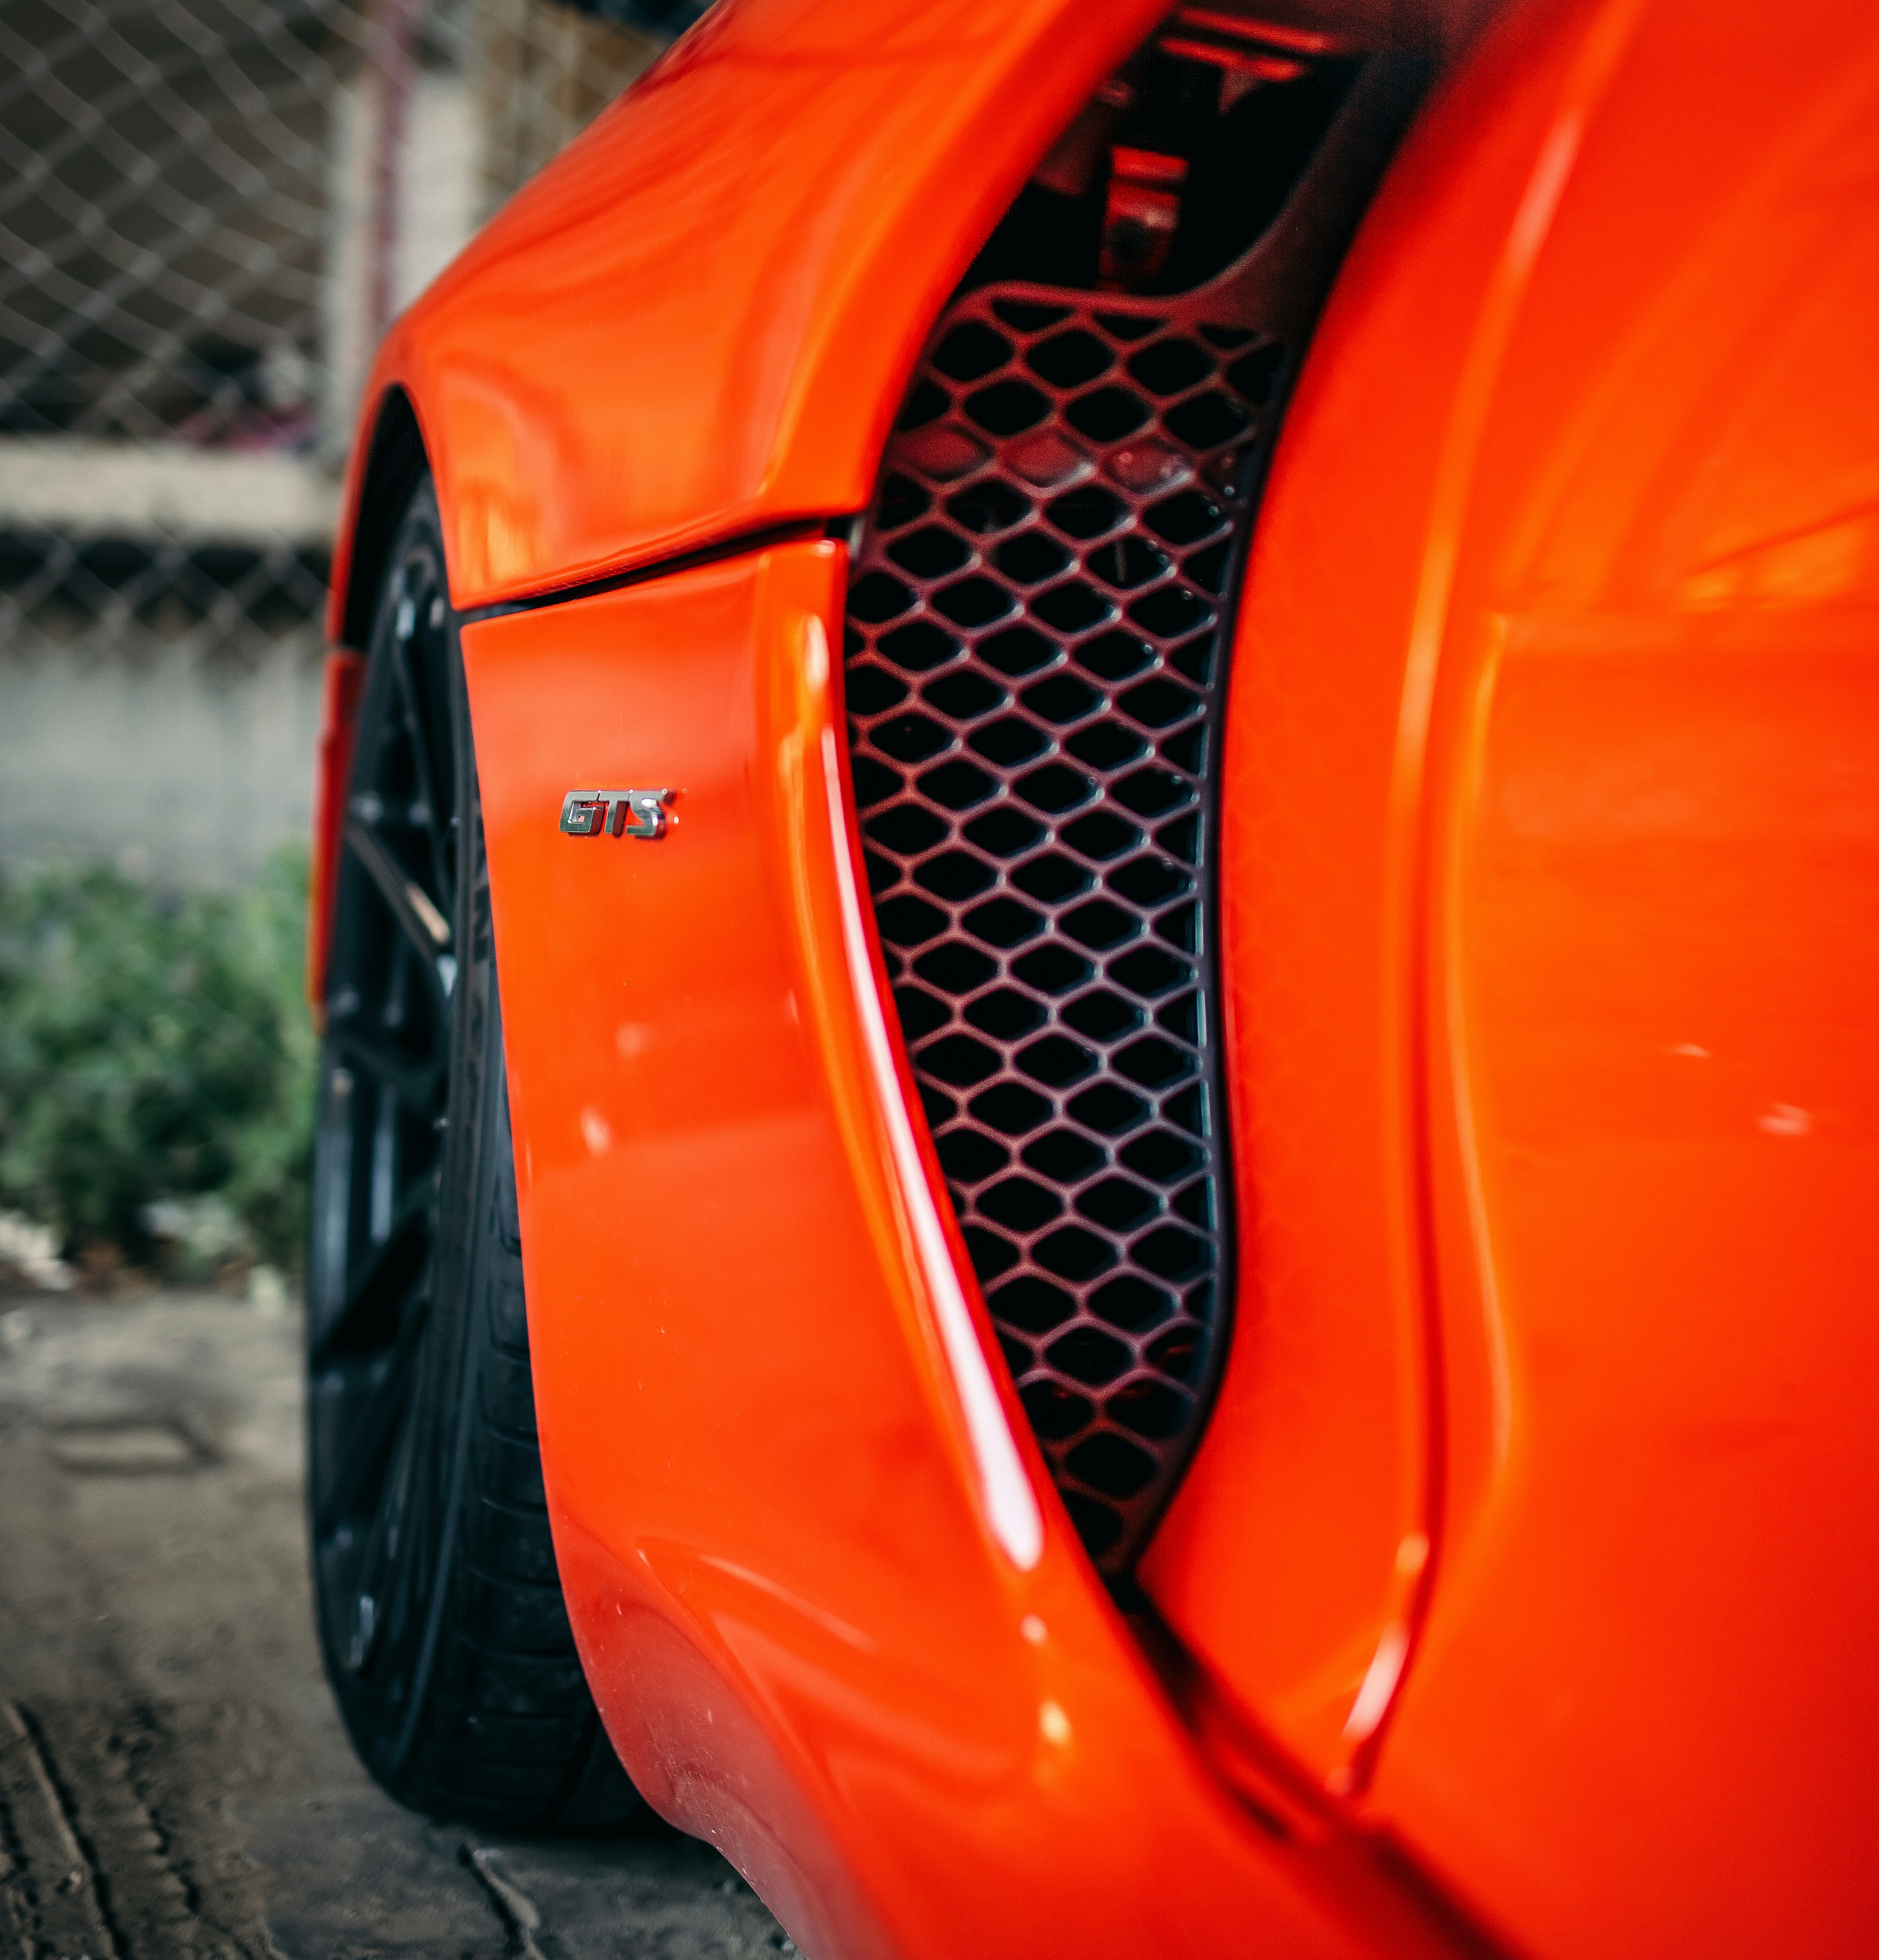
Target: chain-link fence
{"x": 209, "y": 210}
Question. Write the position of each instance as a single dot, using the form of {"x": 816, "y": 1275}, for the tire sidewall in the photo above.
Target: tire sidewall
{"x": 384, "y": 1702}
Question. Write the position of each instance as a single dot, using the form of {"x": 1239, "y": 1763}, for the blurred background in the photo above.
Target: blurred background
{"x": 210, "y": 210}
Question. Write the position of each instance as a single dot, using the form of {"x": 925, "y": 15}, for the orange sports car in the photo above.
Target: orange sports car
{"x": 1097, "y": 923}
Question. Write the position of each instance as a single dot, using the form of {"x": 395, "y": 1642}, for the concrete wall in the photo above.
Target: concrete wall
{"x": 184, "y": 335}
{"x": 181, "y": 766}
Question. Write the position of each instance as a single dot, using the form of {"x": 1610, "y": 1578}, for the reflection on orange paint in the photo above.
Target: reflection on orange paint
{"x": 1644, "y": 978}
{"x": 1531, "y": 1549}
{"x": 607, "y": 374}
{"x": 1823, "y": 563}
{"x": 803, "y": 1632}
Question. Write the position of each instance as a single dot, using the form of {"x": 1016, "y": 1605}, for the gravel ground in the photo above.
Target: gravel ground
{"x": 173, "y": 1780}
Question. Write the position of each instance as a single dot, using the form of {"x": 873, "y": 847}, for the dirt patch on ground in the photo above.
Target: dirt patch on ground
{"x": 173, "y": 1780}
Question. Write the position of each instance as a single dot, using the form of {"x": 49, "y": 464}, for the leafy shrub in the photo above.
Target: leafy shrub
{"x": 154, "y": 1049}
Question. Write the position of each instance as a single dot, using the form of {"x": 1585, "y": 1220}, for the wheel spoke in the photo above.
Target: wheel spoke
{"x": 389, "y": 1040}
{"x": 367, "y": 1589}
{"x": 417, "y": 913}
{"x": 417, "y": 728}
{"x": 415, "y": 1083}
{"x": 377, "y": 1401}
{"x": 376, "y": 1298}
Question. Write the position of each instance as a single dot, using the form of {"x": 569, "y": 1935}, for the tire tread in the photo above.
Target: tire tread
{"x": 513, "y": 1739}
{"x": 477, "y": 1708}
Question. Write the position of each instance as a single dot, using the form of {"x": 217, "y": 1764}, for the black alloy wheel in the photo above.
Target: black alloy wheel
{"x": 440, "y": 1610}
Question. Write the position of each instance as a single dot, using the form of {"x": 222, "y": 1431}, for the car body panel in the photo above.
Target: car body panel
{"x": 1543, "y": 1452}
{"x": 698, "y": 321}
{"x": 1629, "y": 529}
{"x": 1654, "y": 995}
{"x": 805, "y": 1639}
{"x": 1296, "y": 1556}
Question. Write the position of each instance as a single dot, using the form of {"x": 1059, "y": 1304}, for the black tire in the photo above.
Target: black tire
{"x": 440, "y": 1611}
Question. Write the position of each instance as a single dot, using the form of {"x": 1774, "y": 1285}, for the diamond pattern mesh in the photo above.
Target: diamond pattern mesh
{"x": 1034, "y": 687}
{"x": 208, "y": 209}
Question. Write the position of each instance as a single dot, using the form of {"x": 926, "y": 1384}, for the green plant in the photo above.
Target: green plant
{"x": 154, "y": 1049}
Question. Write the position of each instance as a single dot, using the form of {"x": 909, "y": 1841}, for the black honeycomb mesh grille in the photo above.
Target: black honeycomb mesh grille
{"x": 1034, "y": 687}
{"x": 1036, "y": 646}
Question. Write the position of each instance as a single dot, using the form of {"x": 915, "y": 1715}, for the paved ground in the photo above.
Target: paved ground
{"x": 173, "y": 1781}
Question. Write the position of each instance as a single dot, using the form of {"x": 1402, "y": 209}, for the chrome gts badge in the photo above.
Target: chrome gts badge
{"x": 618, "y": 813}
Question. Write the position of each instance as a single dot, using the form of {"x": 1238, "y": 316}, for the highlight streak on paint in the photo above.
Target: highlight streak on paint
{"x": 1010, "y": 1505}
{"x": 1379, "y": 1684}
{"x": 1592, "y": 68}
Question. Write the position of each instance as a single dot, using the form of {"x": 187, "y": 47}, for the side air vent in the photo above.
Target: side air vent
{"x": 1038, "y": 623}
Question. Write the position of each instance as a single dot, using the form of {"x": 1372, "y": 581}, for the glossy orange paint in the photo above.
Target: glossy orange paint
{"x": 1664, "y": 837}
{"x": 1296, "y": 1556}
{"x": 1552, "y": 841}
{"x": 1535, "y": 1527}
{"x": 805, "y": 1637}
{"x": 699, "y": 321}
